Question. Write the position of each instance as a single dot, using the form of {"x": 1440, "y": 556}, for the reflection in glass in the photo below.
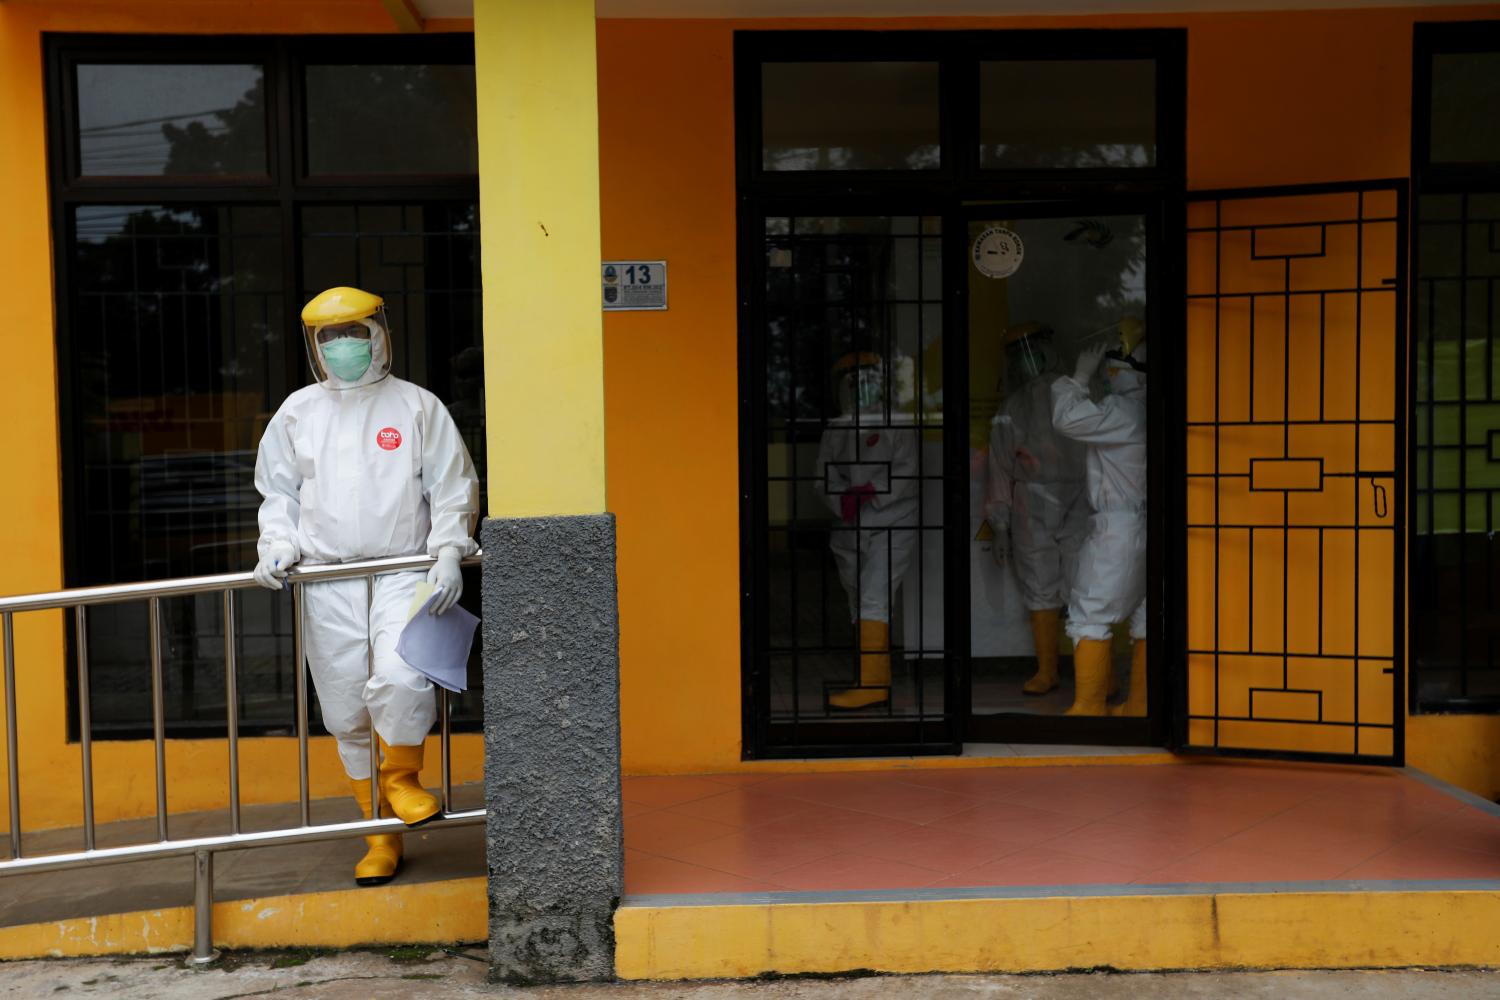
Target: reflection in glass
{"x": 1465, "y": 94}
{"x": 416, "y": 119}
{"x": 1058, "y": 459}
{"x": 1060, "y": 114}
{"x": 150, "y": 120}
{"x": 854, "y": 491}
{"x": 850, "y": 116}
{"x": 177, "y": 358}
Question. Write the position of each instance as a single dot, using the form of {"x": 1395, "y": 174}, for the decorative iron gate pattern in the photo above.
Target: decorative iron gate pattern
{"x": 1295, "y": 471}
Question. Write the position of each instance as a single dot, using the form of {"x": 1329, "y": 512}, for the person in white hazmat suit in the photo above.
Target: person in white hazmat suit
{"x": 363, "y": 465}
{"x": 1110, "y": 585}
{"x": 1034, "y": 499}
{"x": 869, "y": 481}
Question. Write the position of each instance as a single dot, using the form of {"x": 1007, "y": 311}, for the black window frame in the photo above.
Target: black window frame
{"x": 287, "y": 186}
{"x": 958, "y": 186}
{"x": 1431, "y": 39}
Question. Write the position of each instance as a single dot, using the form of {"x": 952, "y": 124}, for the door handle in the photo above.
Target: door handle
{"x": 1382, "y": 501}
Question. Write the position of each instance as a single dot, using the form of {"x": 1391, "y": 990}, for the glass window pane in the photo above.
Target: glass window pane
{"x": 180, "y": 358}
{"x": 1061, "y": 114}
{"x": 1035, "y": 545}
{"x": 850, "y": 116}
{"x": 855, "y": 469}
{"x": 1456, "y": 551}
{"x": 416, "y": 119}
{"x": 151, "y": 120}
{"x": 1465, "y": 94}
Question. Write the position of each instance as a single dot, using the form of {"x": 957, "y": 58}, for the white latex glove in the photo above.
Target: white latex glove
{"x": 1088, "y": 362}
{"x": 271, "y": 570}
{"x": 447, "y": 580}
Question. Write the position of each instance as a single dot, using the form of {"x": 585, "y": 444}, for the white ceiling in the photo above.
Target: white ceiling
{"x": 934, "y": 8}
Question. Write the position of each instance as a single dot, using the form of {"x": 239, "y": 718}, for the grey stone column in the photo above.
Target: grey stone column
{"x": 552, "y": 747}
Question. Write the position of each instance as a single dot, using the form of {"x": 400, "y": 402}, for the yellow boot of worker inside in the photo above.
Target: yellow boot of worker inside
{"x": 1091, "y": 669}
{"x": 874, "y": 669}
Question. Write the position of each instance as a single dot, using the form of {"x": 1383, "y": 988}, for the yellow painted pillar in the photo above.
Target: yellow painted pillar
{"x": 539, "y": 216}
{"x": 551, "y": 615}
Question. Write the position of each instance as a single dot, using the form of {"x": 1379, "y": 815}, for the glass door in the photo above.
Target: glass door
{"x": 1059, "y": 332}
{"x": 847, "y": 363}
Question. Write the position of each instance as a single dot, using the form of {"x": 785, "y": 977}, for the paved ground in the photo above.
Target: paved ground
{"x": 412, "y": 974}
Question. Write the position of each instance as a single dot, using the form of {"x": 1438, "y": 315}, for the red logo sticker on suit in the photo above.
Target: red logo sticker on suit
{"x": 388, "y": 438}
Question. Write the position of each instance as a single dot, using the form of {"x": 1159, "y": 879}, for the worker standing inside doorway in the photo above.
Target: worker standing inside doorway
{"x": 1111, "y": 582}
{"x": 364, "y": 465}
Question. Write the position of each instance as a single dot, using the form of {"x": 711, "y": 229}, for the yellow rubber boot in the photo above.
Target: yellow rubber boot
{"x": 412, "y": 804}
{"x": 1045, "y": 628}
{"x": 383, "y": 859}
{"x": 874, "y": 669}
{"x": 1090, "y": 677}
{"x": 1135, "y": 701}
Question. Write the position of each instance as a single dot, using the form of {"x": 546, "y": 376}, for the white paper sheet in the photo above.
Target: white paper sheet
{"x": 437, "y": 646}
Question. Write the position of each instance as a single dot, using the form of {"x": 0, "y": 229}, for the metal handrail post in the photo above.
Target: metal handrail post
{"x": 12, "y": 761}
{"x": 203, "y": 909}
{"x": 370, "y": 721}
{"x": 158, "y": 719}
{"x": 446, "y": 763}
{"x": 300, "y": 698}
{"x": 85, "y": 725}
{"x": 232, "y": 712}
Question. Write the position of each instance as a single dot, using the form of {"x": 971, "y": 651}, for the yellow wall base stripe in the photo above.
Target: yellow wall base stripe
{"x": 419, "y": 913}
{"x": 1291, "y": 930}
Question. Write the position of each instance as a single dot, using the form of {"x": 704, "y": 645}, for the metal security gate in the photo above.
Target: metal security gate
{"x": 1295, "y": 472}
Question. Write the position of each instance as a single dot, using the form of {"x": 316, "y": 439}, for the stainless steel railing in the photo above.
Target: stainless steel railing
{"x": 202, "y": 849}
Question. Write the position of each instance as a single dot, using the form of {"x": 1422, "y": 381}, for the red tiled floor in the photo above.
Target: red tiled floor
{"x": 658, "y": 793}
{"x": 743, "y": 807}
{"x": 661, "y": 833}
{"x": 1044, "y": 866}
{"x": 1071, "y": 825}
{"x": 940, "y": 849}
{"x": 855, "y": 871}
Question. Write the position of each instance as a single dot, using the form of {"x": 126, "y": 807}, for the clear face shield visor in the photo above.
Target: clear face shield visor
{"x": 351, "y": 352}
{"x": 862, "y": 390}
{"x": 1030, "y": 356}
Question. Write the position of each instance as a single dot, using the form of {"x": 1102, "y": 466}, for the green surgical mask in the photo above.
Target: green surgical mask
{"x": 347, "y": 358}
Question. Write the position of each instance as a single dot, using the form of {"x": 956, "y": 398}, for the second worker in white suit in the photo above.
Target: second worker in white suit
{"x": 364, "y": 465}
{"x": 1110, "y": 585}
{"x": 868, "y": 471}
{"x": 1034, "y": 493}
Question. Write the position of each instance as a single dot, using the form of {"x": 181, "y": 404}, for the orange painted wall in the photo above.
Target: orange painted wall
{"x": 30, "y": 523}
{"x": 1273, "y": 98}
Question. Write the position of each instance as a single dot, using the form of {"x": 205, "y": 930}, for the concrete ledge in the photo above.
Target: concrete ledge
{"x": 1311, "y": 926}
{"x": 421, "y": 913}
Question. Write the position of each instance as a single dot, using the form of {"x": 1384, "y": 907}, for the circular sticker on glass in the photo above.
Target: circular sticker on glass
{"x": 998, "y": 252}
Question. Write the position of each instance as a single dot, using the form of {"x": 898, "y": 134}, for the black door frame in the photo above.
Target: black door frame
{"x": 954, "y": 192}
{"x": 1165, "y": 335}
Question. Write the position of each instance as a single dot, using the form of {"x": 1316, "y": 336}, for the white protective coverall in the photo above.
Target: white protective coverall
{"x": 1111, "y": 580}
{"x": 371, "y": 470}
{"x": 1034, "y": 490}
{"x": 873, "y": 557}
